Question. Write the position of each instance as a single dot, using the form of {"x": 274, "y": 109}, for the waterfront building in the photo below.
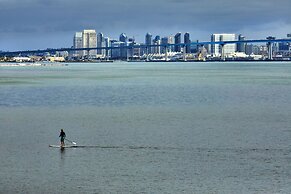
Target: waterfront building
{"x": 194, "y": 48}
{"x": 216, "y": 49}
{"x": 142, "y": 49}
{"x": 187, "y": 41}
{"x": 131, "y": 40}
{"x": 285, "y": 46}
{"x": 148, "y": 41}
{"x": 171, "y": 40}
{"x": 178, "y": 41}
{"x": 252, "y": 49}
{"x": 157, "y": 38}
{"x": 240, "y": 47}
{"x": 256, "y": 50}
{"x": 78, "y": 43}
{"x": 164, "y": 41}
{"x": 89, "y": 41}
{"x": 107, "y": 44}
{"x": 123, "y": 38}
{"x": 264, "y": 50}
{"x": 134, "y": 52}
{"x": 157, "y": 41}
{"x": 116, "y": 53}
{"x": 100, "y": 43}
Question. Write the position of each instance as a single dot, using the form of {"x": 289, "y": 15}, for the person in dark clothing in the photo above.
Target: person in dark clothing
{"x": 62, "y": 136}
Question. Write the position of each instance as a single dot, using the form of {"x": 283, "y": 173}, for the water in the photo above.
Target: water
{"x": 158, "y": 127}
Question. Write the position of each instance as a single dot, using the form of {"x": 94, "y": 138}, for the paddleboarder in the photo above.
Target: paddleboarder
{"x": 62, "y": 136}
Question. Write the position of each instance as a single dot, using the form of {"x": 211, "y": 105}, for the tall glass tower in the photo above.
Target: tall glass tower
{"x": 241, "y": 47}
{"x": 123, "y": 38}
{"x": 100, "y": 42}
{"x": 187, "y": 41}
{"x": 178, "y": 41}
{"x": 148, "y": 41}
{"x": 123, "y": 51}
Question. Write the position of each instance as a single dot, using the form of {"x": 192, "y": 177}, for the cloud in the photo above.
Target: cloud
{"x": 276, "y": 29}
{"x": 61, "y": 18}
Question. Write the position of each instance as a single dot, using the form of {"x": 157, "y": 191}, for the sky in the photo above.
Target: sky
{"x": 40, "y": 24}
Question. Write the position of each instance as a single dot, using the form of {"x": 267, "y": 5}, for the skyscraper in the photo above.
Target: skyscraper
{"x": 241, "y": 47}
{"x": 100, "y": 43}
{"x": 164, "y": 41}
{"x": 107, "y": 44}
{"x": 123, "y": 39}
{"x": 148, "y": 41}
{"x": 157, "y": 41}
{"x": 178, "y": 41}
{"x": 171, "y": 40}
{"x": 187, "y": 41}
{"x": 216, "y": 49}
{"x": 78, "y": 43}
{"x": 89, "y": 41}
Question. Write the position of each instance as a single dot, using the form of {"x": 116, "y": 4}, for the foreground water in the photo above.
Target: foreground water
{"x": 158, "y": 128}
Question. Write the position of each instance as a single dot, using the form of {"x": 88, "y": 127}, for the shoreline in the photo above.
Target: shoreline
{"x": 13, "y": 64}
{"x": 31, "y": 64}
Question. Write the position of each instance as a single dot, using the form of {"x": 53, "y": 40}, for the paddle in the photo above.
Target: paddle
{"x": 71, "y": 141}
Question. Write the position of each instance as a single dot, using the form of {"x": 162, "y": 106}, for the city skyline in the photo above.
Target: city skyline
{"x": 36, "y": 24}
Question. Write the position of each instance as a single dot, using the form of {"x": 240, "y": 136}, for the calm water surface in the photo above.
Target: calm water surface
{"x": 157, "y": 127}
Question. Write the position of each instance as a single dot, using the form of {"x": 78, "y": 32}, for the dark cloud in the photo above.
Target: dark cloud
{"x": 51, "y": 23}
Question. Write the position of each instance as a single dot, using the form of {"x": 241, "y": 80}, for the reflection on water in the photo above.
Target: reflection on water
{"x": 63, "y": 157}
{"x": 62, "y": 151}
{"x": 147, "y": 128}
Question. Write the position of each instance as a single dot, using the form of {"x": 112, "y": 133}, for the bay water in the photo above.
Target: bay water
{"x": 217, "y": 127}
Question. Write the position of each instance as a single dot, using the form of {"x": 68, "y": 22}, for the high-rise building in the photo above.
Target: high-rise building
{"x": 216, "y": 49}
{"x": 148, "y": 41}
{"x": 178, "y": 41}
{"x": 241, "y": 47}
{"x": 78, "y": 43}
{"x": 123, "y": 39}
{"x": 164, "y": 41}
{"x": 100, "y": 43}
{"x": 187, "y": 41}
{"x": 171, "y": 40}
{"x": 89, "y": 41}
{"x": 285, "y": 46}
{"x": 157, "y": 41}
{"x": 107, "y": 44}
{"x": 116, "y": 53}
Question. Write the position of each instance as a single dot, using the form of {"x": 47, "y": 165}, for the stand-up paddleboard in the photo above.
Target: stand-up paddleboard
{"x": 86, "y": 146}
{"x": 66, "y": 146}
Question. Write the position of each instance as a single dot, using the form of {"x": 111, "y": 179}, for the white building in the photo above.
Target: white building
{"x": 89, "y": 41}
{"x": 216, "y": 49}
{"x": 171, "y": 40}
{"x": 78, "y": 43}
